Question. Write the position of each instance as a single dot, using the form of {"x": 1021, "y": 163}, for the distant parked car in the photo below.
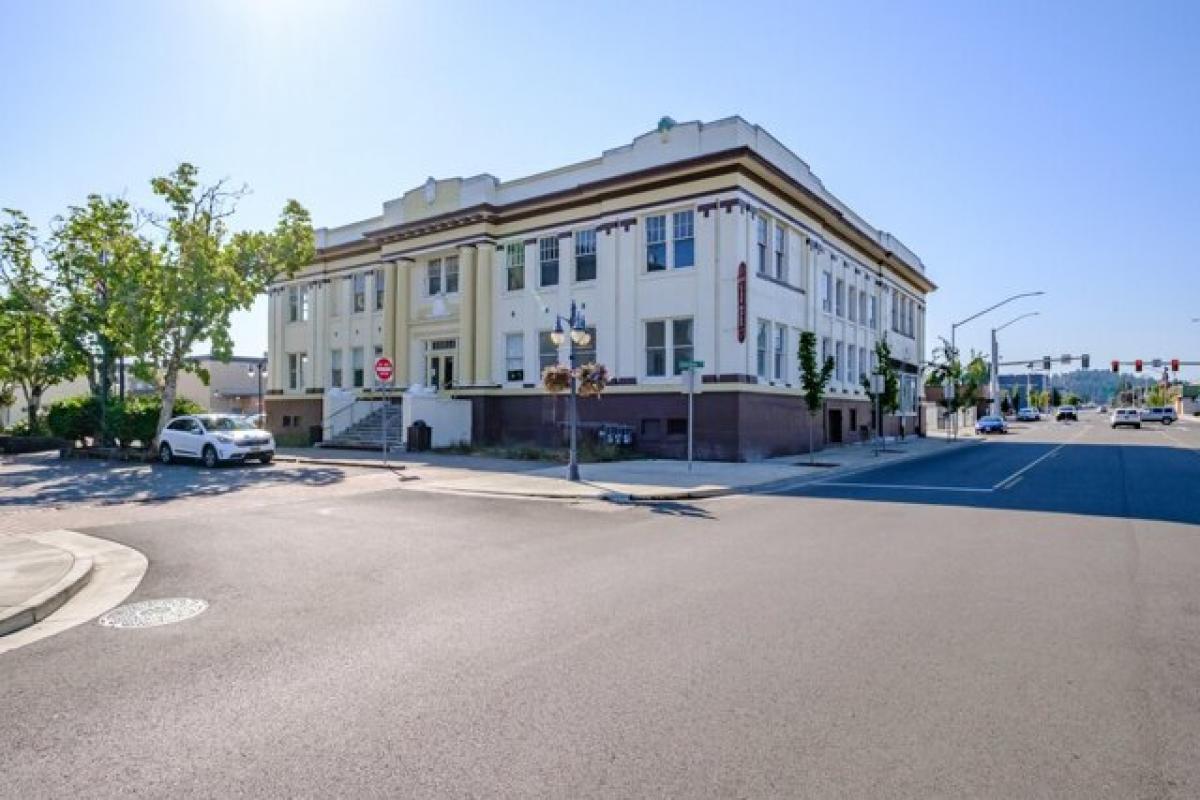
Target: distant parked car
{"x": 1125, "y": 417}
{"x": 1066, "y": 412}
{"x": 991, "y": 425}
{"x": 1028, "y": 415}
{"x": 1164, "y": 414}
{"x": 1102, "y": 409}
{"x": 214, "y": 438}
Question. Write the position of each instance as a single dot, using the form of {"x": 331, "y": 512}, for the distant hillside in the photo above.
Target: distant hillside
{"x": 1096, "y": 385}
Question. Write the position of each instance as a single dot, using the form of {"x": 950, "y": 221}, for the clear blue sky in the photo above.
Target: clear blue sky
{"x": 1014, "y": 146}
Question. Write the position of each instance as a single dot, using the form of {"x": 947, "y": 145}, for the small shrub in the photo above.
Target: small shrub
{"x": 136, "y": 419}
{"x": 75, "y": 418}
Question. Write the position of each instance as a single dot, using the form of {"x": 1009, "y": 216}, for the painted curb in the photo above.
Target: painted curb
{"x": 49, "y": 600}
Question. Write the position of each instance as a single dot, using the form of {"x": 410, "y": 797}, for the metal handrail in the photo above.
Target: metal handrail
{"x": 354, "y": 411}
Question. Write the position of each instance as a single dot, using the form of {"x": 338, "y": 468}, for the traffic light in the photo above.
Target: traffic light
{"x": 1174, "y": 365}
{"x": 1116, "y": 366}
{"x": 1085, "y": 361}
{"x": 1137, "y": 365}
{"x": 1046, "y": 363}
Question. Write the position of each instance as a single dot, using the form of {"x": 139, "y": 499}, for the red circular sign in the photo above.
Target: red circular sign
{"x": 384, "y": 369}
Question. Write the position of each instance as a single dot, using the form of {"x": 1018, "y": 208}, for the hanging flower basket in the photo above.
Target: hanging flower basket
{"x": 593, "y": 378}
{"x": 556, "y": 378}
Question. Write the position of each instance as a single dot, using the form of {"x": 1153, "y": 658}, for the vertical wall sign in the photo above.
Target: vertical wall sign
{"x": 741, "y": 301}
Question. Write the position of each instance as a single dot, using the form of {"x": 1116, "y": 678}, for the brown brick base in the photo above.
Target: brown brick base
{"x": 300, "y": 414}
{"x": 730, "y": 426}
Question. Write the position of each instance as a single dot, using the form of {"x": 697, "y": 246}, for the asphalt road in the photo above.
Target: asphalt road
{"x": 1018, "y": 620}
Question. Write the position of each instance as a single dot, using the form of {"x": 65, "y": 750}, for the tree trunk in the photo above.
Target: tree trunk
{"x": 106, "y": 438}
{"x": 168, "y": 401}
{"x": 812, "y": 423}
{"x": 33, "y": 402}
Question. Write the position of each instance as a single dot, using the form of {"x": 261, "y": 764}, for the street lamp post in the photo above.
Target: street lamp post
{"x": 996, "y": 361}
{"x": 954, "y": 347}
{"x": 260, "y": 370}
{"x": 578, "y": 336}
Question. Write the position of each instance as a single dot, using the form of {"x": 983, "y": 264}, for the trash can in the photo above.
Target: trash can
{"x": 314, "y": 434}
{"x": 419, "y": 437}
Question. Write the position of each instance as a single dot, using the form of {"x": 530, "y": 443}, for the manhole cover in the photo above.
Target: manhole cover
{"x": 151, "y": 613}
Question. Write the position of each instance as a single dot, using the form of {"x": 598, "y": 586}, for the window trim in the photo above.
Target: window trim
{"x": 510, "y": 266}
{"x": 669, "y": 347}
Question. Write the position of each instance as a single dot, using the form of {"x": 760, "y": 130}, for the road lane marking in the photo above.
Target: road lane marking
{"x": 918, "y": 487}
{"x": 1007, "y": 482}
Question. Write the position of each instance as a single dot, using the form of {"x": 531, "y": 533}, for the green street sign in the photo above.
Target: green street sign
{"x": 692, "y": 364}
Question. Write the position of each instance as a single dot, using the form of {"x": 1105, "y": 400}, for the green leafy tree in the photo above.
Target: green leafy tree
{"x": 32, "y": 352}
{"x": 203, "y": 271}
{"x": 102, "y": 267}
{"x": 1055, "y": 397}
{"x": 889, "y": 396}
{"x": 1073, "y": 399}
{"x": 814, "y": 379}
{"x": 1006, "y": 406}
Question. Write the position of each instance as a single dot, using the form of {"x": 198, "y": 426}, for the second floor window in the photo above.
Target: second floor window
{"x": 548, "y": 260}
{"x": 450, "y": 274}
{"x": 656, "y": 243}
{"x": 585, "y": 255}
{"x": 433, "y": 277}
{"x": 379, "y": 290}
{"x": 862, "y": 306}
{"x": 761, "y": 228}
{"x": 683, "y": 232}
{"x": 514, "y": 266}
{"x": 358, "y": 285}
{"x": 827, "y": 291}
{"x": 840, "y": 298}
{"x": 780, "y": 253}
{"x": 852, "y": 303}
{"x": 297, "y": 304}
{"x": 872, "y": 314}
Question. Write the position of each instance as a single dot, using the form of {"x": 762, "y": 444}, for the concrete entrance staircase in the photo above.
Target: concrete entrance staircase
{"x": 367, "y": 433}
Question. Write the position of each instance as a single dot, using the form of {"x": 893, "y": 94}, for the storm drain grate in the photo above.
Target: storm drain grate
{"x": 152, "y": 613}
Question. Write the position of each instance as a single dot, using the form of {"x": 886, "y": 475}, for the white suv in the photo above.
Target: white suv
{"x": 214, "y": 438}
{"x": 1125, "y": 416}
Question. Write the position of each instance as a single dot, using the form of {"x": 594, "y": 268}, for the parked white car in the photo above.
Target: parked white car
{"x": 214, "y": 438}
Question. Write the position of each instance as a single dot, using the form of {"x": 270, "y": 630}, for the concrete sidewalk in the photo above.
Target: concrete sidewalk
{"x": 635, "y": 480}
{"x": 36, "y": 578}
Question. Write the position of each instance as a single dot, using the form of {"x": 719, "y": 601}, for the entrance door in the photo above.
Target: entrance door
{"x": 835, "y": 425}
{"x": 439, "y": 370}
{"x": 439, "y": 363}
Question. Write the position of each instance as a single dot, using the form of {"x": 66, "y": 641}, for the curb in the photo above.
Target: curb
{"x": 46, "y": 602}
{"x": 767, "y": 487}
{"x": 338, "y": 462}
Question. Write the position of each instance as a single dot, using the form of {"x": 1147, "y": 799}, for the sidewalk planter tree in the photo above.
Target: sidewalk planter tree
{"x": 888, "y": 397}
{"x": 814, "y": 379}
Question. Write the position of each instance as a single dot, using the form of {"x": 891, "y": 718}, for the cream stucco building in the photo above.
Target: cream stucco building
{"x": 705, "y": 241}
